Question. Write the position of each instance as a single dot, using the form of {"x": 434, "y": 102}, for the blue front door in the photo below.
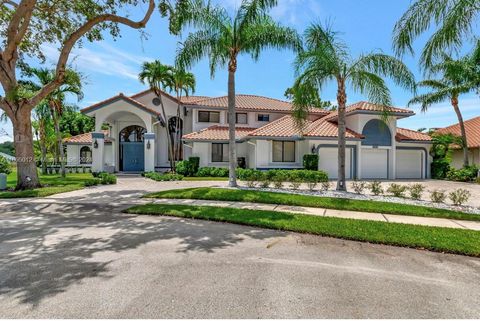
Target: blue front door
{"x": 133, "y": 156}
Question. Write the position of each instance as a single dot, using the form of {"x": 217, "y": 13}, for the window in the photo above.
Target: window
{"x": 263, "y": 117}
{"x": 240, "y": 118}
{"x": 283, "y": 151}
{"x": 219, "y": 153}
{"x": 85, "y": 155}
{"x": 208, "y": 116}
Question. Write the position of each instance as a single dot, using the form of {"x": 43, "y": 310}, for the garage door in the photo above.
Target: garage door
{"x": 328, "y": 161}
{"x": 374, "y": 163}
{"x": 409, "y": 164}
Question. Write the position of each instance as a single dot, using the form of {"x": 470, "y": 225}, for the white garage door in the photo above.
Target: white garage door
{"x": 409, "y": 164}
{"x": 374, "y": 163}
{"x": 328, "y": 161}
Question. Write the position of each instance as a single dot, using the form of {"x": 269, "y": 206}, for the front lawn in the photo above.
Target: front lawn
{"x": 52, "y": 184}
{"x": 238, "y": 195}
{"x": 195, "y": 178}
{"x": 438, "y": 239}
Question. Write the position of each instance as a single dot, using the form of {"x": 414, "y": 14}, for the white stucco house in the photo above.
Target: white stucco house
{"x": 266, "y": 136}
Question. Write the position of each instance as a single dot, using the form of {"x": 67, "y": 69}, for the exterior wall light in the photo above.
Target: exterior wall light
{"x": 95, "y": 144}
{"x": 148, "y": 144}
{"x": 313, "y": 149}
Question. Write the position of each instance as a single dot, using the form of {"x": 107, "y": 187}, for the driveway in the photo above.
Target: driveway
{"x": 61, "y": 258}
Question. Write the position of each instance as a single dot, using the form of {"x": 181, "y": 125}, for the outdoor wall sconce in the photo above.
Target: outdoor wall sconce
{"x": 148, "y": 144}
{"x": 313, "y": 149}
{"x": 95, "y": 144}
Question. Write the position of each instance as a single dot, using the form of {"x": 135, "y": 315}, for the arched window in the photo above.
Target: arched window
{"x": 376, "y": 133}
{"x": 132, "y": 133}
{"x": 85, "y": 155}
{"x": 175, "y": 128}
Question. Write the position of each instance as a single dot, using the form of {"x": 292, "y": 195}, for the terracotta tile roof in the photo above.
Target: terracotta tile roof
{"x": 472, "y": 128}
{"x": 192, "y": 99}
{"x": 366, "y": 106}
{"x": 404, "y": 134}
{"x": 282, "y": 127}
{"x": 324, "y": 128}
{"x": 184, "y": 99}
{"x": 252, "y": 103}
{"x": 217, "y": 132}
{"x": 85, "y": 138}
{"x": 120, "y": 96}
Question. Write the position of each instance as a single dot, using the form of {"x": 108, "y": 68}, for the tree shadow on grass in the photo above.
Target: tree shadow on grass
{"x": 47, "y": 247}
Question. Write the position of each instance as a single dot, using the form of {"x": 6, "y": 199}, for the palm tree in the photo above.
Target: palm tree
{"x": 72, "y": 85}
{"x": 183, "y": 84}
{"x": 41, "y": 115}
{"x": 159, "y": 76}
{"x": 454, "y": 21}
{"x": 326, "y": 59}
{"x": 457, "y": 77}
{"x": 222, "y": 38}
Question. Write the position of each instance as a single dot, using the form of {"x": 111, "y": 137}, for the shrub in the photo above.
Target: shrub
{"x": 359, "y": 186}
{"x": 92, "y": 182}
{"x": 397, "y": 190}
{"x": 107, "y": 179}
{"x": 438, "y": 196}
{"x": 440, "y": 168}
{"x": 279, "y": 177}
{"x": 325, "y": 186}
{"x": 212, "y": 172}
{"x": 376, "y": 188}
{"x": 193, "y": 165}
{"x": 250, "y": 176}
{"x": 416, "y": 191}
{"x": 312, "y": 178}
{"x": 183, "y": 167}
{"x": 97, "y": 174}
{"x": 459, "y": 196}
{"x": 5, "y": 166}
{"x": 161, "y": 177}
{"x": 477, "y": 180}
{"x": 295, "y": 178}
{"x": 465, "y": 174}
{"x": 310, "y": 162}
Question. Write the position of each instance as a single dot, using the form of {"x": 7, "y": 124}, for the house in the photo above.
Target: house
{"x": 472, "y": 129}
{"x": 266, "y": 136}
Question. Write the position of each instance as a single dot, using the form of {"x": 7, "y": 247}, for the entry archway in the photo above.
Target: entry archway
{"x": 132, "y": 151}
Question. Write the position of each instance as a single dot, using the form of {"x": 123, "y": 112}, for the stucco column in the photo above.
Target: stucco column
{"x": 98, "y": 142}
{"x": 149, "y": 139}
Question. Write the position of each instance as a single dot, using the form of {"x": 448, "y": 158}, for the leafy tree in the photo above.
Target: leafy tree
{"x": 41, "y": 125}
{"x": 222, "y": 38}
{"x": 26, "y": 26}
{"x": 159, "y": 77}
{"x": 326, "y": 59}
{"x": 457, "y": 77}
{"x": 75, "y": 123}
{"x": 453, "y": 20}
{"x": 7, "y": 148}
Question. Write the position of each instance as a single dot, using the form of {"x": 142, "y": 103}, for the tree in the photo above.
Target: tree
{"x": 26, "y": 26}
{"x": 223, "y": 38}
{"x": 75, "y": 123}
{"x": 72, "y": 85}
{"x": 159, "y": 77}
{"x": 457, "y": 77}
{"x": 42, "y": 119}
{"x": 183, "y": 83}
{"x": 454, "y": 21}
{"x": 326, "y": 59}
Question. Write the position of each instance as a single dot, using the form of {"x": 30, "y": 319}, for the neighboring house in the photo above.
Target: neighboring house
{"x": 266, "y": 134}
{"x": 472, "y": 129}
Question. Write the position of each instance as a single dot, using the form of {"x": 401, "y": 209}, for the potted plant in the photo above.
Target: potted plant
{"x": 5, "y": 169}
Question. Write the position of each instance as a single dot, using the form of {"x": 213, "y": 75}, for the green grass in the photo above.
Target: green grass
{"x": 237, "y": 195}
{"x": 438, "y": 239}
{"x": 52, "y": 184}
{"x": 205, "y": 178}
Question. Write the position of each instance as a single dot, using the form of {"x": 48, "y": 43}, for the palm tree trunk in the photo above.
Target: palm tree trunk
{"x": 169, "y": 143}
{"x": 43, "y": 145}
{"x": 342, "y": 101}
{"x": 462, "y": 130}
{"x": 176, "y": 138}
{"x": 232, "y": 151}
{"x": 61, "y": 153}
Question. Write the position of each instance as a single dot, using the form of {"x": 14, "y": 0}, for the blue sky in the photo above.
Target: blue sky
{"x": 111, "y": 66}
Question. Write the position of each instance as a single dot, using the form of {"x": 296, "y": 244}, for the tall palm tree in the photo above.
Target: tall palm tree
{"x": 326, "y": 59}
{"x": 222, "y": 38}
{"x": 457, "y": 77}
{"x": 454, "y": 21}
{"x": 183, "y": 83}
{"x": 159, "y": 76}
{"x": 41, "y": 114}
{"x": 72, "y": 85}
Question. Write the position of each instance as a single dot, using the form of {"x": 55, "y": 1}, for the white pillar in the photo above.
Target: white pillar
{"x": 98, "y": 142}
{"x": 149, "y": 139}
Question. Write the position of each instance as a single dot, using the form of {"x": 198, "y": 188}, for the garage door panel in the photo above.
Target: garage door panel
{"x": 409, "y": 164}
{"x": 328, "y": 161}
{"x": 374, "y": 163}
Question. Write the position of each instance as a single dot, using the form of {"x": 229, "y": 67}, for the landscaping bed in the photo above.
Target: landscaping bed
{"x": 438, "y": 239}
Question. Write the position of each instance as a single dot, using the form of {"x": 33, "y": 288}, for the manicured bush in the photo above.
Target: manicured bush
{"x": 281, "y": 176}
{"x": 92, "y": 182}
{"x": 416, "y": 191}
{"x": 459, "y": 196}
{"x": 312, "y": 178}
{"x": 376, "y": 188}
{"x": 295, "y": 178}
{"x": 325, "y": 186}
{"x": 310, "y": 162}
{"x": 465, "y": 174}
{"x": 107, "y": 179}
{"x": 250, "y": 176}
{"x": 359, "y": 186}
{"x": 438, "y": 196}
{"x": 193, "y": 165}
{"x": 397, "y": 190}
{"x": 5, "y": 166}
{"x": 161, "y": 177}
{"x": 183, "y": 167}
{"x": 440, "y": 168}
{"x": 212, "y": 172}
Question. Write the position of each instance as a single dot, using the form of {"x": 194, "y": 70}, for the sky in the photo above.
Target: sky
{"x": 112, "y": 66}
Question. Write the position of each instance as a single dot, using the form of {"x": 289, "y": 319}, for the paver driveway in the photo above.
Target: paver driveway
{"x": 86, "y": 259}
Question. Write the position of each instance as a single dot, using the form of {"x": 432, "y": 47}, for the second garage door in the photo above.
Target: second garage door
{"x": 374, "y": 163}
{"x": 328, "y": 161}
{"x": 410, "y": 164}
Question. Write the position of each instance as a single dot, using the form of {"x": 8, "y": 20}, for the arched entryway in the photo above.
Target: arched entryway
{"x": 132, "y": 151}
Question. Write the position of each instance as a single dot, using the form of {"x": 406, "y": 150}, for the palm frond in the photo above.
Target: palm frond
{"x": 432, "y": 83}
{"x": 427, "y": 100}
{"x": 250, "y": 11}
{"x": 371, "y": 85}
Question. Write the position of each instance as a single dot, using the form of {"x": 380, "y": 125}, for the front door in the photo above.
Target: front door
{"x": 133, "y": 157}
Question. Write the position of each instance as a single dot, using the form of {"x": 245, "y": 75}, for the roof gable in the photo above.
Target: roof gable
{"x": 472, "y": 129}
